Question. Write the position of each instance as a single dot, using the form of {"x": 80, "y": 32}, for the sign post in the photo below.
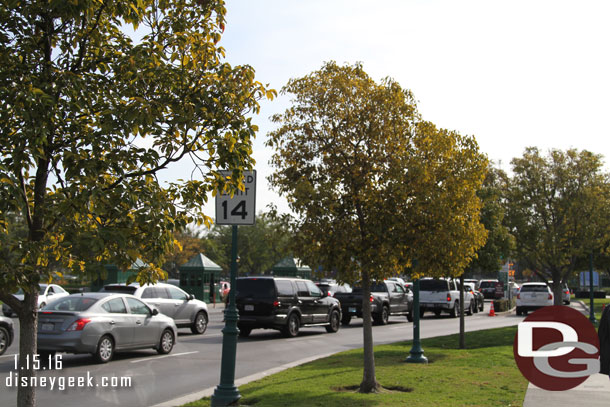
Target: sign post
{"x": 236, "y": 210}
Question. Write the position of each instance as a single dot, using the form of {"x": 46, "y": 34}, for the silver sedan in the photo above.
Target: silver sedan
{"x": 102, "y": 323}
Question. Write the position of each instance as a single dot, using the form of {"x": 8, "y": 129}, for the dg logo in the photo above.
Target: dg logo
{"x": 556, "y": 348}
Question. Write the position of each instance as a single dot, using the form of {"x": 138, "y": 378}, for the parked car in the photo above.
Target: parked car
{"x": 330, "y": 287}
{"x": 102, "y": 324}
{"x": 7, "y": 333}
{"x": 47, "y": 293}
{"x": 533, "y": 296}
{"x": 285, "y": 304}
{"x": 565, "y": 292}
{"x": 170, "y": 300}
{"x": 387, "y": 298}
{"x": 488, "y": 288}
{"x": 479, "y": 299}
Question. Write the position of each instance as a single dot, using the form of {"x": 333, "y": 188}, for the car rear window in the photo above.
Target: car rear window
{"x": 487, "y": 284}
{"x": 124, "y": 289}
{"x": 255, "y": 287}
{"x": 433, "y": 285}
{"x": 78, "y": 303}
{"x": 538, "y": 288}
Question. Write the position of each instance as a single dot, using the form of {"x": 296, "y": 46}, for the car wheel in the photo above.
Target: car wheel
{"x": 383, "y": 317}
{"x": 292, "y": 326}
{"x": 470, "y": 309}
{"x": 455, "y": 311}
{"x": 4, "y": 338}
{"x": 166, "y": 343}
{"x": 244, "y": 332}
{"x": 333, "y": 322}
{"x": 345, "y": 320}
{"x": 519, "y": 312}
{"x": 200, "y": 324}
{"x": 105, "y": 349}
{"x": 476, "y": 307}
{"x": 410, "y": 317}
{"x": 482, "y": 306}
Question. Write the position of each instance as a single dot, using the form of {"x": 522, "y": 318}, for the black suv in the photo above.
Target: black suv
{"x": 285, "y": 304}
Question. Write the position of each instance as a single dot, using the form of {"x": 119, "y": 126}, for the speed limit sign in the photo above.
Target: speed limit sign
{"x": 240, "y": 209}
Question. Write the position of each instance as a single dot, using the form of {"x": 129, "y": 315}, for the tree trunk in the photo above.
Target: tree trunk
{"x": 369, "y": 380}
{"x": 28, "y": 328}
{"x": 462, "y": 335}
{"x": 557, "y": 292}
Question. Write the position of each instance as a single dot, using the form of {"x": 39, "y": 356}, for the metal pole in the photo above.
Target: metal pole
{"x": 226, "y": 393}
{"x": 591, "y": 303}
{"x": 416, "y": 354}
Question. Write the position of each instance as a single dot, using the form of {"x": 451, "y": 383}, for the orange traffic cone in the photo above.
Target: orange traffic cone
{"x": 492, "y": 313}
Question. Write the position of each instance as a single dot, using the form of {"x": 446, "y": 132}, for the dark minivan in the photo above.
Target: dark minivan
{"x": 286, "y": 304}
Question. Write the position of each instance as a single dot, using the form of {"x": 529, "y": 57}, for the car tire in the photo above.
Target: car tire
{"x": 519, "y": 312}
{"x": 410, "y": 316}
{"x": 166, "y": 343}
{"x": 454, "y": 313}
{"x": 383, "y": 317}
{"x": 476, "y": 307}
{"x": 4, "y": 339}
{"x": 105, "y": 349}
{"x": 244, "y": 332}
{"x": 333, "y": 322}
{"x": 345, "y": 319}
{"x": 200, "y": 324}
{"x": 470, "y": 310}
{"x": 292, "y": 326}
{"x": 482, "y": 306}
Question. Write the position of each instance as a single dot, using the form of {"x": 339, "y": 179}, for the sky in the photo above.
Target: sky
{"x": 512, "y": 74}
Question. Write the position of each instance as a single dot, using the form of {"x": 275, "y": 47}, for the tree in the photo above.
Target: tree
{"x": 355, "y": 162}
{"x": 500, "y": 243}
{"x": 190, "y": 243}
{"x": 88, "y": 118}
{"x": 261, "y": 245}
{"x": 553, "y": 203}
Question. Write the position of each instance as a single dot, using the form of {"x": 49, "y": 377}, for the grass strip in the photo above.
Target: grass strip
{"x": 483, "y": 374}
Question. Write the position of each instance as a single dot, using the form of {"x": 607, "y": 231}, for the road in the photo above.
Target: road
{"x": 194, "y": 363}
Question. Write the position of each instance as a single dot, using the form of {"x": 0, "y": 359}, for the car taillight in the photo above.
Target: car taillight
{"x": 550, "y": 296}
{"x": 519, "y": 296}
{"x": 276, "y": 303}
{"x": 79, "y": 324}
{"x": 449, "y": 297}
{"x": 566, "y": 292}
{"x": 371, "y": 299}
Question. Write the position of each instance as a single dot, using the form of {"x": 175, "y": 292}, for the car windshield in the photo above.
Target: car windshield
{"x": 255, "y": 287}
{"x": 433, "y": 285}
{"x": 76, "y": 303}
{"x": 125, "y": 289}
{"x": 537, "y": 288}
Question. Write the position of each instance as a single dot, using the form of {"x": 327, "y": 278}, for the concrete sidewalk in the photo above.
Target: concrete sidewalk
{"x": 594, "y": 392}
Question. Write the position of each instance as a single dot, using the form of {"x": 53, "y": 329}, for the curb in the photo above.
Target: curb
{"x": 189, "y": 398}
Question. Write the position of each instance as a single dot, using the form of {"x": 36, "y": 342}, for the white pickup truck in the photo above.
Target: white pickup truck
{"x": 438, "y": 295}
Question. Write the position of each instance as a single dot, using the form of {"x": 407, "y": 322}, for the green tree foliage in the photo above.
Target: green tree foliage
{"x": 500, "y": 243}
{"x": 88, "y": 117}
{"x": 554, "y": 205}
{"x": 260, "y": 246}
{"x": 372, "y": 185}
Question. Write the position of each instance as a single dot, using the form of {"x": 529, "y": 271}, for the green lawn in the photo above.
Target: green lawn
{"x": 484, "y": 374}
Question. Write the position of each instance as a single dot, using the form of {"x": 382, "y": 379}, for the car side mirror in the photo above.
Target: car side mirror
{"x": 155, "y": 311}
{"x": 191, "y": 297}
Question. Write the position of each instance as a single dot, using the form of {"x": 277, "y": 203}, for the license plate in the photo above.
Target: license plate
{"x": 352, "y": 309}
{"x": 248, "y": 307}
{"x": 47, "y": 327}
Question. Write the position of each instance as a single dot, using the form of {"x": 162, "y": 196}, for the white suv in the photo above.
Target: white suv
{"x": 533, "y": 296}
{"x": 183, "y": 308}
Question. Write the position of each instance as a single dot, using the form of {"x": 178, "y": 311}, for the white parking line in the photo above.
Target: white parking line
{"x": 163, "y": 357}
